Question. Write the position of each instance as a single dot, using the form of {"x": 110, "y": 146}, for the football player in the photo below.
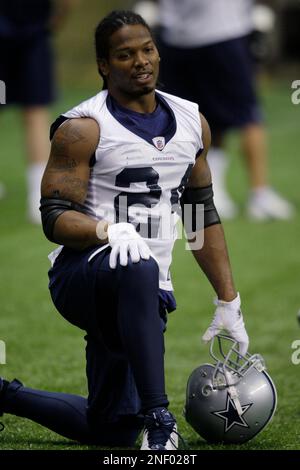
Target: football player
{"x": 120, "y": 161}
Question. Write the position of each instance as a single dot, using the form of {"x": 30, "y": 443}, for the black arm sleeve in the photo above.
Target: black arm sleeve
{"x": 51, "y": 209}
{"x": 195, "y": 197}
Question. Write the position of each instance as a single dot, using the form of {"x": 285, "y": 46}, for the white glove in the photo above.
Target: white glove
{"x": 124, "y": 241}
{"x": 228, "y": 316}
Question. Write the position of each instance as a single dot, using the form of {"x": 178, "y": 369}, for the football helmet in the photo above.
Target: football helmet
{"x": 233, "y": 399}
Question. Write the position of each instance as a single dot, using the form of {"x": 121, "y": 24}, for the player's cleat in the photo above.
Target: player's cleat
{"x": 266, "y": 204}
{"x": 160, "y": 431}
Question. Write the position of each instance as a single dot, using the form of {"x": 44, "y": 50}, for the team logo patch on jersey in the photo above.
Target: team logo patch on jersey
{"x": 159, "y": 142}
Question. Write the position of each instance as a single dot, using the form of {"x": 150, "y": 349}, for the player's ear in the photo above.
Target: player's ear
{"x": 103, "y": 67}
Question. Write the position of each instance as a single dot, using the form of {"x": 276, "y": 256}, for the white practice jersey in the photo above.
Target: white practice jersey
{"x": 196, "y": 23}
{"x": 135, "y": 181}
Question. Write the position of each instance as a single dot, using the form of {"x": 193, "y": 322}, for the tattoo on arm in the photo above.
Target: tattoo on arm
{"x": 72, "y": 188}
{"x": 68, "y": 135}
{"x": 67, "y": 173}
{"x": 62, "y": 163}
{"x": 61, "y": 148}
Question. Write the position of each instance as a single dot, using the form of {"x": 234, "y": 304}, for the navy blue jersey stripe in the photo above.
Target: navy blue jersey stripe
{"x": 160, "y": 123}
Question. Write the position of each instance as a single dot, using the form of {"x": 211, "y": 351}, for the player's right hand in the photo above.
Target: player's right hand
{"x": 125, "y": 241}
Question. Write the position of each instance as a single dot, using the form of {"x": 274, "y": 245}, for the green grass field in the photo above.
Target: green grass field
{"x": 45, "y": 352}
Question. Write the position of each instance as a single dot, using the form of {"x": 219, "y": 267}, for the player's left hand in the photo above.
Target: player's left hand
{"x": 228, "y": 316}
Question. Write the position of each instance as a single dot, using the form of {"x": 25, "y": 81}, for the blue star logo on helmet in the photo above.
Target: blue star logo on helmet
{"x": 231, "y": 416}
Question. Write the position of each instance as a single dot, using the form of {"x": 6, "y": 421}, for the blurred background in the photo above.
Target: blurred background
{"x": 45, "y": 352}
{"x": 279, "y": 48}
{"x": 75, "y": 43}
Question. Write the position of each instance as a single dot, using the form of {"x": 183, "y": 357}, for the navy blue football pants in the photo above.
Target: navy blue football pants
{"x": 121, "y": 312}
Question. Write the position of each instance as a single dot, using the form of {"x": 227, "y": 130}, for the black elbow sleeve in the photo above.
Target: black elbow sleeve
{"x": 197, "y": 205}
{"x": 51, "y": 209}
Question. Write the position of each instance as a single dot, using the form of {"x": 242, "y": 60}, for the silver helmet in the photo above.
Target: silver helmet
{"x": 232, "y": 400}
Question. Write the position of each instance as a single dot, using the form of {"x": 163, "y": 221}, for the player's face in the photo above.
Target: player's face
{"x": 133, "y": 64}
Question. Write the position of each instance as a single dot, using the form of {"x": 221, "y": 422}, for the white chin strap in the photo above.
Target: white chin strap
{"x": 233, "y": 393}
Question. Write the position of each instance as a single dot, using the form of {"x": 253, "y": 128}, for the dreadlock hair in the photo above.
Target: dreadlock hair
{"x": 109, "y": 25}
